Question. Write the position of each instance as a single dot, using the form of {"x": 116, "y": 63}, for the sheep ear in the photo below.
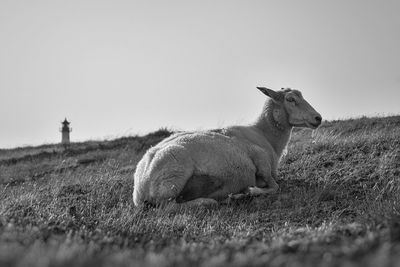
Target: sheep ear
{"x": 271, "y": 93}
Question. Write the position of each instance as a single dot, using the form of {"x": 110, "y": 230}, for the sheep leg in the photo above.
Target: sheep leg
{"x": 254, "y": 191}
{"x": 264, "y": 185}
{"x": 265, "y": 174}
{"x": 238, "y": 196}
{"x": 257, "y": 191}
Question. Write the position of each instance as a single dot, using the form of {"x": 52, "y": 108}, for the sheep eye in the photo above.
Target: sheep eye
{"x": 290, "y": 99}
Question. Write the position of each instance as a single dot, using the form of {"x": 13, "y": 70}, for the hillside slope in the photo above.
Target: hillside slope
{"x": 338, "y": 203}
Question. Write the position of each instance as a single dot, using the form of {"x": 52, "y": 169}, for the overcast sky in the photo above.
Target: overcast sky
{"x": 116, "y": 68}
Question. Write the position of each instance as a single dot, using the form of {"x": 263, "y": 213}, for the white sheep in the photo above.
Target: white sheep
{"x": 201, "y": 168}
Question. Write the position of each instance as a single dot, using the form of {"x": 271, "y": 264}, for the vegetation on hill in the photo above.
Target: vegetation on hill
{"x": 338, "y": 204}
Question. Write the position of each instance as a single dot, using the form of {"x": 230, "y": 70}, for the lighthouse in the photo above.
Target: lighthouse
{"x": 65, "y": 130}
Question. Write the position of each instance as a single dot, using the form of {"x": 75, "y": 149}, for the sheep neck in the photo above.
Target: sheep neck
{"x": 274, "y": 125}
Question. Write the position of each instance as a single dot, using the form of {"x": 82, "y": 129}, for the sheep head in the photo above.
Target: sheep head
{"x": 299, "y": 112}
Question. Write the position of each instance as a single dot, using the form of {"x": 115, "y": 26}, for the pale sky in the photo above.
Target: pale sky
{"x": 116, "y": 68}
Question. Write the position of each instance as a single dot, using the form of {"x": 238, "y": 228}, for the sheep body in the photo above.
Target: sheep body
{"x": 212, "y": 165}
{"x": 226, "y": 157}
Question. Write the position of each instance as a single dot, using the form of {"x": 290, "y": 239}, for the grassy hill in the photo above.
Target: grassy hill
{"x": 338, "y": 204}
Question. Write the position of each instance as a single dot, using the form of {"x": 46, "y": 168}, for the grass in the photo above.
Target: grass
{"x": 338, "y": 204}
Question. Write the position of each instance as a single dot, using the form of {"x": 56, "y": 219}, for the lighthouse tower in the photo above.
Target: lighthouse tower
{"x": 65, "y": 130}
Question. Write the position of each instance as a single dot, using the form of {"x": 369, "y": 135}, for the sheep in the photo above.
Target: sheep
{"x": 205, "y": 167}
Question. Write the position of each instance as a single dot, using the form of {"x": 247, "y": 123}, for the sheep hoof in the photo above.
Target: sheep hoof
{"x": 257, "y": 191}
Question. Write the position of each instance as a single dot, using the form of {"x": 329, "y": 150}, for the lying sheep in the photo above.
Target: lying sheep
{"x": 204, "y": 167}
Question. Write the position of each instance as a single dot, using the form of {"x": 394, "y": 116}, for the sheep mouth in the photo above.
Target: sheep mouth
{"x": 314, "y": 125}
{"x": 307, "y": 125}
